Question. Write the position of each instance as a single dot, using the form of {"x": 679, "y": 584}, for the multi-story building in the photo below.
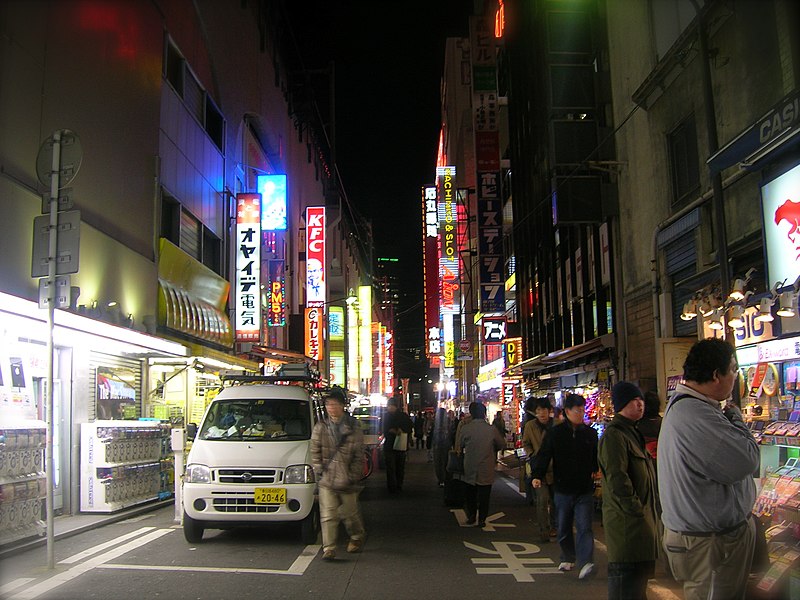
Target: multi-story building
{"x": 161, "y": 119}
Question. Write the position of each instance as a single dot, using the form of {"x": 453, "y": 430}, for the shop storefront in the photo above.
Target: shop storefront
{"x": 100, "y": 374}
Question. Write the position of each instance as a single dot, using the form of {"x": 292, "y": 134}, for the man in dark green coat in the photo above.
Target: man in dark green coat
{"x": 629, "y": 498}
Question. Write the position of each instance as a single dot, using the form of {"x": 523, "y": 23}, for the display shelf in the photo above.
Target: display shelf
{"x": 23, "y": 484}
{"x": 121, "y": 463}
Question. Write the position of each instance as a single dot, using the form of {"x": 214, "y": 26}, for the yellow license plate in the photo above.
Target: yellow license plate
{"x": 270, "y": 496}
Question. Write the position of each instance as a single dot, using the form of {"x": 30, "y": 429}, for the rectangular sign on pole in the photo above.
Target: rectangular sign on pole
{"x": 315, "y": 256}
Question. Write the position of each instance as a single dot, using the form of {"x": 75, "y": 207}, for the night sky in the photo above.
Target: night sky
{"x": 388, "y": 61}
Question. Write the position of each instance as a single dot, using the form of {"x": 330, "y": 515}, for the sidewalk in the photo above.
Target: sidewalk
{"x": 69, "y": 525}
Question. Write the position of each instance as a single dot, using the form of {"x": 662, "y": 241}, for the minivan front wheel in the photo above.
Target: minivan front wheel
{"x": 309, "y": 527}
{"x": 192, "y": 530}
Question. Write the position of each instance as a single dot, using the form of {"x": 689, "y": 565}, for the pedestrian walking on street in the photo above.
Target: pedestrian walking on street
{"x": 419, "y": 429}
{"x": 500, "y": 423}
{"x": 337, "y": 454}
{"x": 706, "y": 460}
{"x": 572, "y": 446}
{"x": 629, "y": 498}
{"x": 480, "y": 443}
{"x": 395, "y": 422}
{"x": 441, "y": 445}
{"x": 532, "y": 438}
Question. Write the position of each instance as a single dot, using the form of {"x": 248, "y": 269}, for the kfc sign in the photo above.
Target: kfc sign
{"x": 315, "y": 256}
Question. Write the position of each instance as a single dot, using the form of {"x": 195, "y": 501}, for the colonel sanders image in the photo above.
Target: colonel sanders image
{"x": 314, "y": 279}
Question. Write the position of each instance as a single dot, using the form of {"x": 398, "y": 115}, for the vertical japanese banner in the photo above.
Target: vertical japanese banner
{"x": 491, "y": 274}
{"x": 314, "y": 333}
{"x": 388, "y": 386}
{"x": 315, "y": 256}
{"x": 365, "y": 331}
{"x": 248, "y": 268}
{"x": 430, "y": 249}
{"x": 336, "y": 347}
{"x": 276, "y": 300}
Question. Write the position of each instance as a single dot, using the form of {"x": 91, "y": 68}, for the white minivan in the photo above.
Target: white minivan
{"x": 250, "y": 462}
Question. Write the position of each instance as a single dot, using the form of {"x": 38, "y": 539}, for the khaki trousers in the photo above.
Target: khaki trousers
{"x": 712, "y": 568}
{"x": 335, "y": 507}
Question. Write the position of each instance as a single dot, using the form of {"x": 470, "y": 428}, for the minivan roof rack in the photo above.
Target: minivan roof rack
{"x": 239, "y": 377}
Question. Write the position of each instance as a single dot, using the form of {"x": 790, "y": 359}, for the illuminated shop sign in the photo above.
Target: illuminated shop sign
{"x": 494, "y": 330}
{"x": 315, "y": 256}
{"x": 276, "y": 298}
{"x": 781, "y": 211}
{"x": 388, "y": 341}
{"x": 248, "y": 267}
{"x": 336, "y": 363}
{"x": 448, "y": 226}
{"x": 430, "y": 249}
{"x": 449, "y": 345}
{"x": 513, "y": 351}
{"x": 336, "y": 324}
{"x": 365, "y": 331}
{"x": 273, "y": 202}
{"x": 314, "y": 333}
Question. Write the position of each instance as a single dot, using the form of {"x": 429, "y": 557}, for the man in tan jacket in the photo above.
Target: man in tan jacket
{"x": 337, "y": 453}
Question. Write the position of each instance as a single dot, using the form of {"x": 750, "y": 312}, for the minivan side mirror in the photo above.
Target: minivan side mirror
{"x": 191, "y": 431}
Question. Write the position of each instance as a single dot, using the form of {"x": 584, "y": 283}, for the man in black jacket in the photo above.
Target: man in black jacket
{"x": 572, "y": 446}
{"x": 395, "y": 422}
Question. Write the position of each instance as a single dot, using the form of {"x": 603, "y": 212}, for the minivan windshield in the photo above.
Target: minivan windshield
{"x": 257, "y": 419}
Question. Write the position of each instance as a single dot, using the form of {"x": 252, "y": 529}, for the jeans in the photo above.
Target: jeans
{"x": 578, "y": 508}
{"x": 395, "y": 469}
{"x": 628, "y": 580}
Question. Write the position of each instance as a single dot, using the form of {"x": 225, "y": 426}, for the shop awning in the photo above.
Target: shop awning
{"x": 558, "y": 357}
{"x": 222, "y": 360}
{"x": 280, "y": 354}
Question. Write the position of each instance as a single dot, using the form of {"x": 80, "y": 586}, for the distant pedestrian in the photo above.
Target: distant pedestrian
{"x": 419, "y": 429}
{"x": 572, "y": 446}
{"x": 337, "y": 454}
{"x": 629, "y": 498}
{"x": 480, "y": 442}
{"x": 395, "y": 422}
{"x": 706, "y": 460}
{"x": 500, "y": 423}
{"x": 441, "y": 445}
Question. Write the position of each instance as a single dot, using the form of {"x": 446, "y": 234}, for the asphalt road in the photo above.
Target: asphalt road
{"x": 416, "y": 548}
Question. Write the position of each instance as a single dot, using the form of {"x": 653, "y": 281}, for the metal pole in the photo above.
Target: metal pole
{"x": 51, "y": 301}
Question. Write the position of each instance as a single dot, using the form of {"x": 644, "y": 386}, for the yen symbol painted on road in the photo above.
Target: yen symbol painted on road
{"x": 511, "y": 558}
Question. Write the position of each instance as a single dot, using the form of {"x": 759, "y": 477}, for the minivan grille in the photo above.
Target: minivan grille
{"x": 249, "y": 476}
{"x": 243, "y": 504}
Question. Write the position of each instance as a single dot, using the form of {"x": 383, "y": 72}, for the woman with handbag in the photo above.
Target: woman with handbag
{"x": 480, "y": 442}
{"x": 396, "y": 428}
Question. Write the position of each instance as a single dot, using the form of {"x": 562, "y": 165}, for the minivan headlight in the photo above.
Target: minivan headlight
{"x": 197, "y": 474}
{"x": 299, "y": 474}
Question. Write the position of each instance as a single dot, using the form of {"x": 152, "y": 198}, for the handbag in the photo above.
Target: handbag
{"x": 455, "y": 462}
{"x": 401, "y": 442}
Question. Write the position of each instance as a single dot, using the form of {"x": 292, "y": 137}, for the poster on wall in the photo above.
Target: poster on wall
{"x": 17, "y": 367}
{"x": 116, "y": 396}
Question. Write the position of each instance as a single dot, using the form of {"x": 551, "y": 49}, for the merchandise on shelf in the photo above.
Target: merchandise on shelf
{"x": 23, "y": 484}
{"x": 124, "y": 463}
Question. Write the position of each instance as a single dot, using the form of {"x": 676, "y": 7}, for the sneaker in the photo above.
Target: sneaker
{"x": 329, "y": 555}
{"x": 355, "y": 545}
{"x": 566, "y": 566}
{"x": 586, "y": 570}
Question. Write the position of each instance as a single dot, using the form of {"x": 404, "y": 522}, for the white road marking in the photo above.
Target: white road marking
{"x": 298, "y": 567}
{"x": 100, "y": 547}
{"x": 510, "y": 558}
{"x": 61, "y": 578}
{"x": 514, "y": 485}
{"x": 490, "y": 522}
{"x": 12, "y": 585}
